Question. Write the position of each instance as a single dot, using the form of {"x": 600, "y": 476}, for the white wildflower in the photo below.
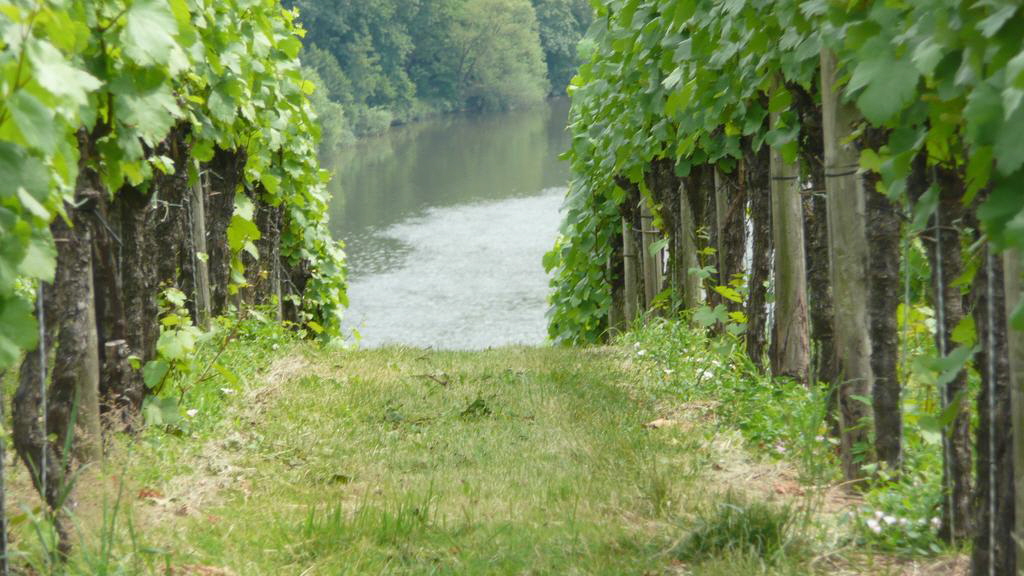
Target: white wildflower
{"x": 890, "y": 520}
{"x": 191, "y": 412}
{"x": 874, "y": 526}
{"x": 641, "y": 352}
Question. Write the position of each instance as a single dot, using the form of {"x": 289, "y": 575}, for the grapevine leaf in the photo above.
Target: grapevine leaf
{"x": 152, "y": 113}
{"x": 995, "y": 21}
{"x": 34, "y": 120}
{"x": 18, "y": 329}
{"x": 965, "y": 332}
{"x": 1017, "y": 319}
{"x": 154, "y": 372}
{"x": 927, "y": 56}
{"x": 1009, "y": 147}
{"x": 21, "y": 171}
{"x": 149, "y": 33}
{"x": 889, "y": 92}
{"x": 983, "y": 114}
{"x": 175, "y": 344}
{"x": 32, "y": 205}
{"x": 55, "y": 74}
{"x": 40, "y": 258}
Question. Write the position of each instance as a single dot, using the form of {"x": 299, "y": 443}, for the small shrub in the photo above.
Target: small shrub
{"x": 757, "y": 529}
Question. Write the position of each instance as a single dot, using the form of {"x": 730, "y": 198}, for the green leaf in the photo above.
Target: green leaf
{"x": 271, "y": 182}
{"x": 34, "y": 120}
{"x": 230, "y": 377}
{"x": 965, "y": 332}
{"x": 979, "y": 170}
{"x": 948, "y": 367}
{"x": 222, "y": 106}
{"x": 983, "y": 115}
{"x": 995, "y": 21}
{"x": 149, "y": 33}
{"x": 1003, "y": 203}
{"x": 161, "y": 411}
{"x": 203, "y": 150}
{"x": 40, "y": 259}
{"x": 658, "y": 246}
{"x": 154, "y": 372}
{"x": 706, "y": 316}
{"x": 290, "y": 46}
{"x": 729, "y": 294}
{"x": 1009, "y": 147}
{"x": 889, "y": 92}
{"x": 55, "y": 74}
{"x": 176, "y": 344}
{"x": 1017, "y": 319}
{"x": 240, "y": 232}
{"x": 175, "y": 297}
{"x": 780, "y": 100}
{"x": 672, "y": 80}
{"x": 152, "y": 113}
{"x": 18, "y": 330}
{"x": 927, "y": 56}
{"x": 32, "y": 205}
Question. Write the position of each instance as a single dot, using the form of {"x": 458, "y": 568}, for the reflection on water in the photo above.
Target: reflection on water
{"x": 445, "y": 224}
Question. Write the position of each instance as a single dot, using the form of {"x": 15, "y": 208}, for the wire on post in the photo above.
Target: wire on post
{"x": 990, "y": 357}
{"x": 940, "y": 298}
{"x": 42, "y": 388}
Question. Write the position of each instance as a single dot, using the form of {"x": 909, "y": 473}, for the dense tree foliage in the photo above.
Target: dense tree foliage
{"x": 389, "y": 61}
{"x": 903, "y": 118}
{"x": 562, "y": 24}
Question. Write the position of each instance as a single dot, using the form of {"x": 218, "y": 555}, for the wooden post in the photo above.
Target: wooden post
{"x": 89, "y": 446}
{"x": 791, "y": 337}
{"x": 616, "y": 274}
{"x": 119, "y": 414}
{"x": 651, "y": 262}
{"x": 202, "y": 269}
{"x": 4, "y": 565}
{"x": 74, "y": 407}
{"x": 721, "y": 208}
{"x": 848, "y": 255}
{"x": 689, "y": 283}
{"x": 1015, "y": 339}
{"x": 275, "y": 285}
{"x": 629, "y": 306}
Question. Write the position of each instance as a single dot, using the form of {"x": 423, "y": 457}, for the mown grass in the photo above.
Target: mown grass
{"x": 404, "y": 461}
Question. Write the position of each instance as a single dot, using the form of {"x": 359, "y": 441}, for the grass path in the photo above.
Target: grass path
{"x": 403, "y": 461}
{"x": 518, "y": 461}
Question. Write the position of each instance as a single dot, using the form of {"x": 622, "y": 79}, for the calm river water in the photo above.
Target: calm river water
{"x": 445, "y": 224}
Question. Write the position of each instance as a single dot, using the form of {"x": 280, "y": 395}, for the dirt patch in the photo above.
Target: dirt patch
{"x": 877, "y": 565}
{"x": 280, "y": 372}
{"x": 216, "y": 466}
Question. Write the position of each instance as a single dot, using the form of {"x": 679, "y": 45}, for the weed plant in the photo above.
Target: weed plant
{"x": 781, "y": 419}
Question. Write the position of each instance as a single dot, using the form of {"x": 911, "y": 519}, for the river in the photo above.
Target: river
{"x": 445, "y": 224}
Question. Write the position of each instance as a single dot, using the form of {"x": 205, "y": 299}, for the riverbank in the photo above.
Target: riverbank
{"x": 510, "y": 461}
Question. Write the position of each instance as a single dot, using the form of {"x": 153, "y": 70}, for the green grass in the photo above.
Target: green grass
{"x": 403, "y": 461}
